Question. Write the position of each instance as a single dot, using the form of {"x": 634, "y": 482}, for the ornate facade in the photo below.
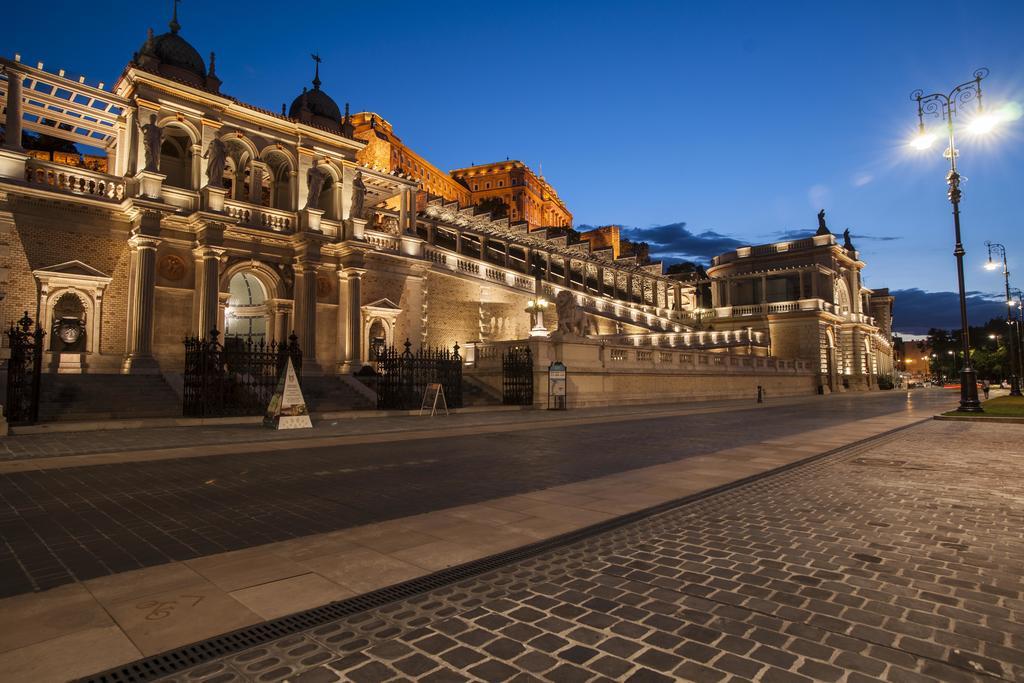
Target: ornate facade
{"x": 808, "y": 295}
{"x": 199, "y": 212}
{"x": 210, "y": 213}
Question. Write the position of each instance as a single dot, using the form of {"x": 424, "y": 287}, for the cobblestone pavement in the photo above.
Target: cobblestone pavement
{"x": 898, "y": 562}
{"x": 77, "y": 523}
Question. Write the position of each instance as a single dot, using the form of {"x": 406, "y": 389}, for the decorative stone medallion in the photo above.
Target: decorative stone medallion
{"x": 323, "y": 287}
{"x": 172, "y": 267}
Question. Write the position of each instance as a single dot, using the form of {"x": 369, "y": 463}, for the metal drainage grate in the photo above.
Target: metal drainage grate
{"x": 173, "y": 661}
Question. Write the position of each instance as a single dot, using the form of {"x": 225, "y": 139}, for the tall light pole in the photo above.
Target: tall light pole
{"x": 945, "y": 107}
{"x": 1012, "y": 328}
{"x": 1020, "y": 329}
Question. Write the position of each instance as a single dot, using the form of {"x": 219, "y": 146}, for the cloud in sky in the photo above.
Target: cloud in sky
{"x": 862, "y": 179}
{"x": 797, "y": 234}
{"x": 916, "y": 311}
{"x": 818, "y": 195}
{"x": 674, "y": 242}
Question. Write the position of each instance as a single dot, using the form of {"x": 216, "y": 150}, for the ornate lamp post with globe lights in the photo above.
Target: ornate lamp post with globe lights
{"x": 536, "y": 307}
{"x": 945, "y": 107}
{"x": 1010, "y": 322}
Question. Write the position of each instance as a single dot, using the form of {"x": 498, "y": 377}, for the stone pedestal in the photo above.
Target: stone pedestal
{"x": 411, "y": 245}
{"x": 309, "y": 219}
{"x": 213, "y": 198}
{"x": 70, "y": 364}
{"x": 12, "y": 164}
{"x": 358, "y": 230}
{"x": 151, "y": 184}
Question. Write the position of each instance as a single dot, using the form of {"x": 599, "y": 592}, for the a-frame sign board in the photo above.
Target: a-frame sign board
{"x": 431, "y": 395}
{"x": 287, "y": 409}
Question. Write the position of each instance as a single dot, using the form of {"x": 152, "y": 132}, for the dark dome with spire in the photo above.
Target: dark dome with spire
{"x": 316, "y": 106}
{"x": 172, "y": 55}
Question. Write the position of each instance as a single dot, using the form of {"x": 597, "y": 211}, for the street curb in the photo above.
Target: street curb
{"x": 981, "y": 418}
{"x": 184, "y": 657}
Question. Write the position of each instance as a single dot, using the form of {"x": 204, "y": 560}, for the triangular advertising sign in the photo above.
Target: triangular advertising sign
{"x": 287, "y": 409}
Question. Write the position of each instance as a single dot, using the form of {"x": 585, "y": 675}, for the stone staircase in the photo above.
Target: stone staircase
{"x": 87, "y": 397}
{"x": 477, "y": 393}
{"x": 328, "y": 393}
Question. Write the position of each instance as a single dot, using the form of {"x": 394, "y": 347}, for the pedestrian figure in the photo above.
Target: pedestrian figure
{"x": 986, "y": 386}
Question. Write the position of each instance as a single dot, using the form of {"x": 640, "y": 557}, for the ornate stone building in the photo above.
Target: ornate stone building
{"x": 193, "y": 211}
{"x": 808, "y": 295}
{"x": 528, "y": 196}
{"x": 207, "y": 212}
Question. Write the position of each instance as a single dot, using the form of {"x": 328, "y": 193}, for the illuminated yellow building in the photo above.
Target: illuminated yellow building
{"x": 529, "y": 197}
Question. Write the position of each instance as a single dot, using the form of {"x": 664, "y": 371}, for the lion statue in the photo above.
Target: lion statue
{"x": 571, "y": 318}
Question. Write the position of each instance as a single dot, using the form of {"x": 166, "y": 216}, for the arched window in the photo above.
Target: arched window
{"x": 176, "y": 158}
{"x": 245, "y": 318}
{"x": 277, "y": 182}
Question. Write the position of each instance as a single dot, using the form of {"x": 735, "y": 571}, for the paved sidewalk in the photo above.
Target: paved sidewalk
{"x": 84, "y": 627}
{"x": 58, "y": 443}
{"x": 901, "y": 563}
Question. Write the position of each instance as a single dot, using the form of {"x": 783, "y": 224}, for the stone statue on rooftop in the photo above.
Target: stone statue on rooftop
{"x": 315, "y": 179}
{"x": 152, "y": 138}
{"x": 217, "y": 153}
{"x": 822, "y": 228}
{"x": 358, "y": 195}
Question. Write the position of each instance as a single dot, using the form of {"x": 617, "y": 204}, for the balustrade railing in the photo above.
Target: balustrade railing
{"x": 253, "y": 215}
{"x": 74, "y": 180}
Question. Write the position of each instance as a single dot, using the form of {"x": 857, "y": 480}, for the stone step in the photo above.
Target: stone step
{"x": 80, "y": 397}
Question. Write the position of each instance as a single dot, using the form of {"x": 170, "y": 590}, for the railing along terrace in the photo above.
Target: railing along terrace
{"x": 696, "y": 340}
{"x": 254, "y": 215}
{"x": 74, "y": 180}
{"x": 487, "y": 357}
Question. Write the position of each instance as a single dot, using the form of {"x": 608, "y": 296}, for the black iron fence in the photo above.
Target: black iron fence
{"x": 402, "y": 377}
{"x": 24, "y": 369}
{"x": 517, "y": 376}
{"x": 235, "y": 378}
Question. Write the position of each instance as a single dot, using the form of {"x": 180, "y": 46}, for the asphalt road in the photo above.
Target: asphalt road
{"x": 77, "y": 523}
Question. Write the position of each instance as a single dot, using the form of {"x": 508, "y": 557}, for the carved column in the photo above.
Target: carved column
{"x": 305, "y": 310}
{"x": 142, "y": 299}
{"x": 600, "y": 280}
{"x": 13, "y": 121}
{"x": 414, "y": 308}
{"x": 256, "y": 170}
{"x": 207, "y": 289}
{"x": 352, "y": 314}
{"x": 403, "y": 211}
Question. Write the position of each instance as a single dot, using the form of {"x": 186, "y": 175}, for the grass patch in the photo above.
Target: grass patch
{"x": 1004, "y": 406}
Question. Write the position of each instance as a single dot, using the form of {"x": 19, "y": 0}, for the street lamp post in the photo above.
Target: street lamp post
{"x": 1020, "y": 331}
{"x": 1012, "y": 331}
{"x": 945, "y": 106}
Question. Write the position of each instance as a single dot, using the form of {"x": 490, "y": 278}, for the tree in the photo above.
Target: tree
{"x": 496, "y": 206}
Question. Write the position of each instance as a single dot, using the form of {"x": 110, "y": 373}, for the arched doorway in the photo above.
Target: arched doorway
{"x": 246, "y": 318}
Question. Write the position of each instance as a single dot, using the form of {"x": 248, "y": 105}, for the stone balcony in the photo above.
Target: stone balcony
{"x": 781, "y": 307}
{"x": 73, "y": 180}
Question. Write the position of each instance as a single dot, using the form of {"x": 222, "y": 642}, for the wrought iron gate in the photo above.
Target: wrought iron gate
{"x": 517, "y": 376}
{"x": 24, "y": 369}
{"x": 402, "y": 377}
{"x": 235, "y": 378}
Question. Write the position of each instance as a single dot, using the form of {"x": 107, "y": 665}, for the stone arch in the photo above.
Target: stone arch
{"x": 841, "y": 296}
{"x": 280, "y": 179}
{"x": 330, "y": 195}
{"x": 177, "y": 153}
{"x": 268, "y": 276}
{"x": 238, "y": 164}
{"x": 58, "y": 309}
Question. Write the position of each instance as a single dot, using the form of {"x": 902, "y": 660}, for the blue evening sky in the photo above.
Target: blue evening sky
{"x": 739, "y": 120}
